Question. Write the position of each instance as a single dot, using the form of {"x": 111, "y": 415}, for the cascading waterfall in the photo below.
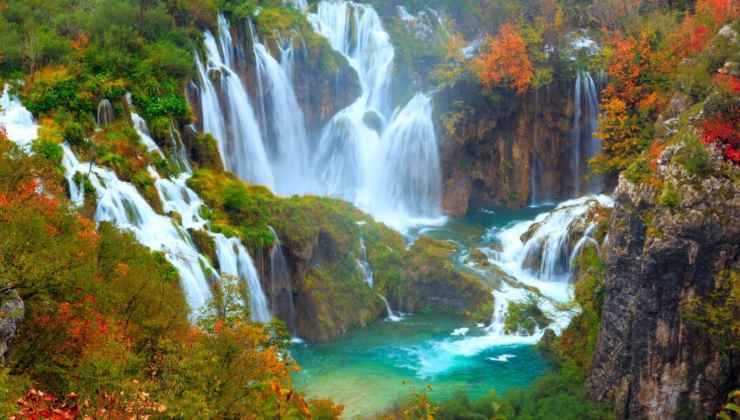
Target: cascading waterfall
{"x": 547, "y": 259}
{"x": 17, "y": 121}
{"x": 233, "y": 124}
{"x": 390, "y": 169}
{"x": 280, "y": 284}
{"x": 554, "y": 291}
{"x": 234, "y": 260}
{"x": 120, "y": 203}
{"x": 385, "y": 162}
{"x": 585, "y": 122}
{"x": 289, "y": 150}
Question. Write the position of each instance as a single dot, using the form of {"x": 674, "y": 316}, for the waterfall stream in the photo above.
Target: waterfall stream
{"x": 385, "y": 161}
{"x": 120, "y": 203}
{"x": 585, "y": 122}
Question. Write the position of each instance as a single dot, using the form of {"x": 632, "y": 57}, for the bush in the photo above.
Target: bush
{"x": 74, "y": 134}
{"x": 49, "y": 150}
{"x": 669, "y": 197}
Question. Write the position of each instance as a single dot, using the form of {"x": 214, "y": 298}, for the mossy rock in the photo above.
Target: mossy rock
{"x": 478, "y": 257}
{"x": 206, "y": 245}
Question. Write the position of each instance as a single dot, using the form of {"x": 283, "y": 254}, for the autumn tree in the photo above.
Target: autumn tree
{"x": 505, "y": 61}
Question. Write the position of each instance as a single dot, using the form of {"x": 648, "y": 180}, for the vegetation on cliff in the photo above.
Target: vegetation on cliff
{"x": 106, "y": 326}
{"x": 323, "y": 240}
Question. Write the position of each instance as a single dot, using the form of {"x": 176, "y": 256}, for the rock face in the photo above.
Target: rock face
{"x": 651, "y": 360}
{"x": 12, "y": 312}
{"x": 504, "y": 151}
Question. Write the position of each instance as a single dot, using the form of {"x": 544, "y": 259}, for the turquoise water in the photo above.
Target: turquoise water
{"x": 369, "y": 370}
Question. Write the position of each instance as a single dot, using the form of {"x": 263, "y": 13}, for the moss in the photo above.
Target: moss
{"x": 577, "y": 343}
{"x": 205, "y": 244}
{"x": 693, "y": 156}
{"x": 669, "y": 197}
{"x": 525, "y": 317}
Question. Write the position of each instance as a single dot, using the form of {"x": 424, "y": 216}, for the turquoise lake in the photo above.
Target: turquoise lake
{"x": 371, "y": 369}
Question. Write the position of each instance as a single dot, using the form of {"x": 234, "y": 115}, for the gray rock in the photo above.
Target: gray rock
{"x": 651, "y": 361}
{"x": 12, "y": 312}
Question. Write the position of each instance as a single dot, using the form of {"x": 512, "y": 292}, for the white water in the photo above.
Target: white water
{"x": 364, "y": 264}
{"x": 17, "y": 121}
{"x": 105, "y": 113}
{"x": 388, "y": 167}
{"x": 555, "y": 288}
{"x": 393, "y": 174}
{"x": 120, "y": 203}
{"x": 585, "y": 145}
{"x": 233, "y": 124}
{"x": 289, "y": 153}
{"x": 391, "y": 316}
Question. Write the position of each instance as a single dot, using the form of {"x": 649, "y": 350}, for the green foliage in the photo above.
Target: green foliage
{"x": 719, "y": 313}
{"x": 49, "y": 150}
{"x": 693, "y": 156}
{"x": 669, "y": 197}
{"x": 525, "y": 317}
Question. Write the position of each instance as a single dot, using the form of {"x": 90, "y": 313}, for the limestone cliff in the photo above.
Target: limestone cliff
{"x": 671, "y": 253}
{"x": 504, "y": 150}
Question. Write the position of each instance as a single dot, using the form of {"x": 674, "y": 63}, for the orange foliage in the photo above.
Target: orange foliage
{"x": 720, "y": 11}
{"x": 40, "y": 405}
{"x": 691, "y": 38}
{"x": 506, "y": 60}
{"x": 728, "y": 82}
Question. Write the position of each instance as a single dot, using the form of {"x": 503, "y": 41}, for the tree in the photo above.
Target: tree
{"x": 506, "y": 61}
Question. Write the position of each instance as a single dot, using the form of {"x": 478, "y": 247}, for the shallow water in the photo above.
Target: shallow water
{"x": 369, "y": 370}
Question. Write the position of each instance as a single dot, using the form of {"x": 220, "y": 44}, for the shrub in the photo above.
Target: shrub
{"x": 669, "y": 197}
{"x": 74, "y": 134}
{"x": 49, "y": 150}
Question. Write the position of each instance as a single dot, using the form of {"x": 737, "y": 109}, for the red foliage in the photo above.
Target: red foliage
{"x": 3, "y": 133}
{"x": 723, "y": 130}
{"x": 40, "y": 405}
{"x": 728, "y": 82}
{"x": 691, "y": 38}
{"x": 720, "y": 11}
{"x": 506, "y": 59}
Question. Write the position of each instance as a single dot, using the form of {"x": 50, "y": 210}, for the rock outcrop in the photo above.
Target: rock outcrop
{"x": 494, "y": 148}
{"x": 668, "y": 259}
{"x": 12, "y": 312}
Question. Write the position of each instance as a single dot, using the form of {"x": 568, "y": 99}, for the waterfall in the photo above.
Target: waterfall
{"x": 545, "y": 261}
{"x": 386, "y": 162}
{"x": 280, "y": 283}
{"x": 389, "y": 169}
{"x": 17, "y": 121}
{"x": 233, "y": 124}
{"x": 364, "y": 264}
{"x": 179, "y": 155}
{"x": 391, "y": 316}
{"x": 105, "y": 113}
{"x": 143, "y": 131}
{"x": 235, "y": 261}
{"x": 585, "y": 121}
{"x": 120, "y": 203}
{"x": 289, "y": 150}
